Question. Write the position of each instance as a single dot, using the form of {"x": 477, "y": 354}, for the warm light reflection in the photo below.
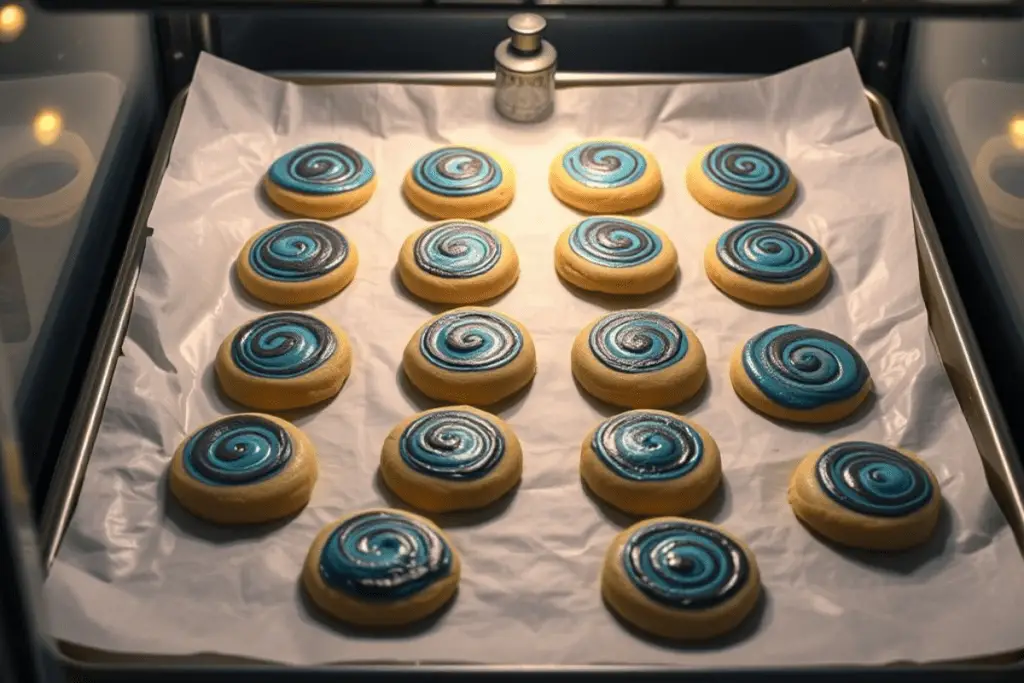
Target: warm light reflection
{"x": 12, "y": 22}
{"x": 1017, "y": 132}
{"x": 47, "y": 126}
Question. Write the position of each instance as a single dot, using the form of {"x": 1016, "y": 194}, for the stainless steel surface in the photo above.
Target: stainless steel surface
{"x": 85, "y": 421}
{"x": 526, "y": 31}
{"x": 954, "y": 339}
{"x": 524, "y": 66}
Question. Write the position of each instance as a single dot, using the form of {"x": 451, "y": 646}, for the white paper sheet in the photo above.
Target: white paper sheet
{"x": 136, "y": 574}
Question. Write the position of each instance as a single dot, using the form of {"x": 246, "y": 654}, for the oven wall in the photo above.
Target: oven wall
{"x": 429, "y": 41}
{"x": 964, "y": 87}
{"x": 97, "y": 73}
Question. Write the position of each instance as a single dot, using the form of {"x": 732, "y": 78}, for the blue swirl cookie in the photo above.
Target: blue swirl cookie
{"x": 381, "y": 567}
{"x": 459, "y": 182}
{"x": 458, "y": 262}
{"x": 767, "y": 264}
{"x": 738, "y": 180}
{"x": 649, "y": 462}
{"x": 800, "y": 374}
{"x": 320, "y": 180}
{"x": 615, "y": 255}
{"x": 680, "y": 579}
{"x": 639, "y": 359}
{"x": 470, "y": 355}
{"x": 605, "y": 177}
{"x": 283, "y": 360}
{"x": 244, "y": 469}
{"x": 451, "y": 458}
{"x": 296, "y": 262}
{"x": 866, "y": 495}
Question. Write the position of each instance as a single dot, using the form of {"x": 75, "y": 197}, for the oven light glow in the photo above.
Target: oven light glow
{"x": 1017, "y": 132}
{"x": 12, "y": 22}
{"x": 47, "y": 126}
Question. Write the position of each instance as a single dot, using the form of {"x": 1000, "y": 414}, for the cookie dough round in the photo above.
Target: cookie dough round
{"x": 615, "y": 255}
{"x": 321, "y": 180}
{"x": 605, "y": 176}
{"x": 470, "y": 355}
{"x": 740, "y": 181}
{"x": 767, "y": 264}
{"x": 451, "y": 458}
{"x": 244, "y": 469}
{"x": 650, "y": 463}
{"x": 381, "y": 567}
{"x": 459, "y": 182}
{"x": 800, "y": 374}
{"x": 639, "y": 359}
{"x": 680, "y": 579}
{"x": 458, "y": 262}
{"x": 297, "y": 262}
{"x": 284, "y": 360}
{"x": 866, "y": 495}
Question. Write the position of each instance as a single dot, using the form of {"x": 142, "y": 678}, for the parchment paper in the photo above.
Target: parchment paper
{"x": 136, "y": 574}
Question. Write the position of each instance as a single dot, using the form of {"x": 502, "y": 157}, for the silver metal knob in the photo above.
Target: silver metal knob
{"x": 526, "y": 31}
{"x": 525, "y": 71}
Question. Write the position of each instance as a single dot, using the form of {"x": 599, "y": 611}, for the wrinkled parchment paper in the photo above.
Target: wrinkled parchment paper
{"x": 136, "y": 574}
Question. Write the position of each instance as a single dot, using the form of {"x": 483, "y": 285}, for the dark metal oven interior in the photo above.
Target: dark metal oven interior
{"x": 598, "y": 42}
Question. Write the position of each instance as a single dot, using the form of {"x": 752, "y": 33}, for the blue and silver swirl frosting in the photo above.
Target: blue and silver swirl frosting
{"x": 298, "y": 251}
{"x": 643, "y": 445}
{"x": 638, "y": 341}
{"x": 283, "y": 345}
{"x": 457, "y": 249}
{"x": 237, "y": 450}
{"x": 768, "y": 251}
{"x": 746, "y": 169}
{"x": 873, "y": 479}
{"x": 457, "y": 172}
{"x": 471, "y": 341}
{"x": 604, "y": 165}
{"x": 384, "y": 555}
{"x": 614, "y": 242}
{"x": 683, "y": 565}
{"x": 801, "y": 368}
{"x": 452, "y": 444}
{"x": 321, "y": 168}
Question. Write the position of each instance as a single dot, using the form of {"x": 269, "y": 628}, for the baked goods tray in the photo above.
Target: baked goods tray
{"x": 948, "y": 326}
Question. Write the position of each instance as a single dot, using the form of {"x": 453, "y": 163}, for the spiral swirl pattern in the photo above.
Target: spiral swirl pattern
{"x": 768, "y": 251}
{"x": 457, "y": 249}
{"x": 604, "y": 165}
{"x": 684, "y": 565}
{"x": 298, "y": 251}
{"x": 384, "y": 555}
{"x": 873, "y": 480}
{"x": 237, "y": 450}
{"x": 457, "y": 172}
{"x": 321, "y": 168}
{"x": 746, "y": 169}
{"x": 614, "y": 242}
{"x": 283, "y": 345}
{"x": 471, "y": 341}
{"x": 801, "y": 368}
{"x": 646, "y": 446}
{"x": 452, "y": 444}
{"x": 638, "y": 341}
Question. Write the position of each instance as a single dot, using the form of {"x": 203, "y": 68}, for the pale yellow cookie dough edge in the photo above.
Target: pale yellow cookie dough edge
{"x": 813, "y": 507}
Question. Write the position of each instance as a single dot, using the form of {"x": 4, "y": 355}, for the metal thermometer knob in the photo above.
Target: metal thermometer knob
{"x": 525, "y": 71}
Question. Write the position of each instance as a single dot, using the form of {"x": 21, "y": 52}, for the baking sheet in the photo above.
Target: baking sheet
{"x": 136, "y": 574}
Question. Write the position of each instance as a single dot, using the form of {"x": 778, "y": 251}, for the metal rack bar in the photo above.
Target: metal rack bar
{"x": 768, "y": 8}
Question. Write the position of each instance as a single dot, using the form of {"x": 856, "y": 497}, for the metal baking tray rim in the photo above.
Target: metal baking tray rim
{"x": 951, "y": 332}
